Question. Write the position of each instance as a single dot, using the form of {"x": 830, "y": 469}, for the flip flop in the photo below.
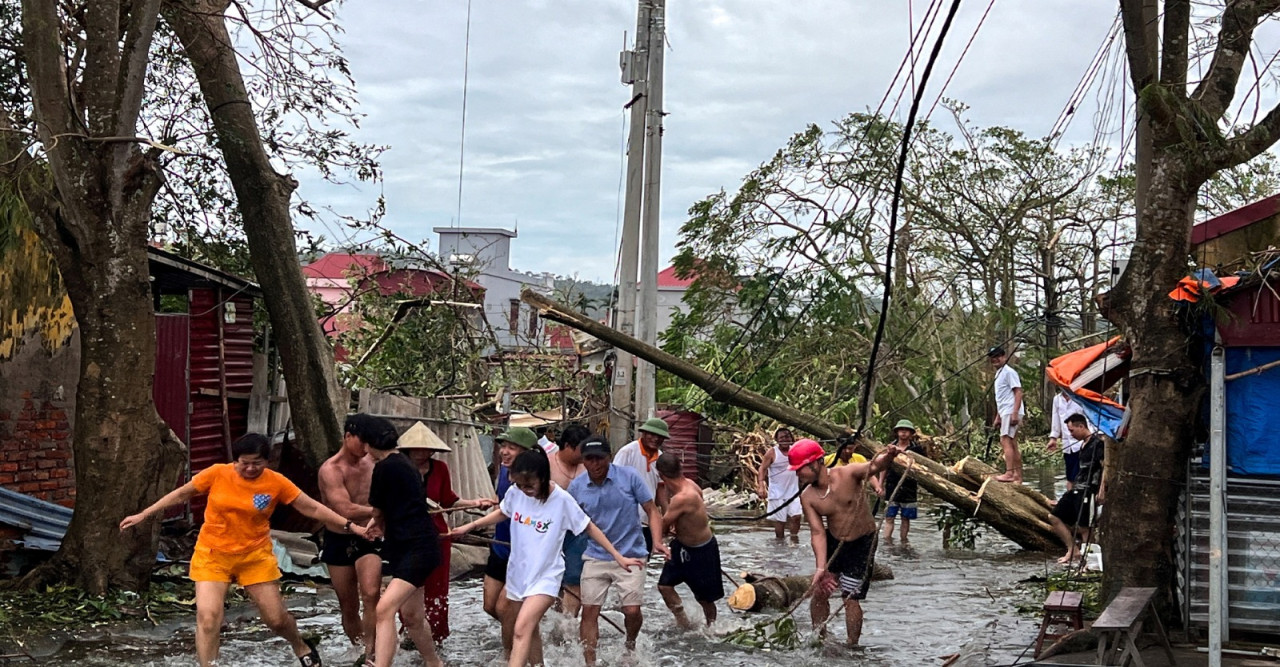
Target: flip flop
{"x": 311, "y": 658}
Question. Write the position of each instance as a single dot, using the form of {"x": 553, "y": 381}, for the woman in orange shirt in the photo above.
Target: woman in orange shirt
{"x": 235, "y": 542}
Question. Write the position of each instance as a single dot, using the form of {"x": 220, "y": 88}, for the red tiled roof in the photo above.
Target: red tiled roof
{"x": 1238, "y": 219}
{"x": 667, "y": 278}
{"x": 340, "y": 265}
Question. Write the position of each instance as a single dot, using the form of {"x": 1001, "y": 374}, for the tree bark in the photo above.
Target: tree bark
{"x": 263, "y": 197}
{"x": 93, "y": 217}
{"x": 1002, "y": 506}
{"x": 759, "y": 592}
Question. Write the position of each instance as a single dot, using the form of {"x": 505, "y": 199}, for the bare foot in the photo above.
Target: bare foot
{"x": 1006, "y": 477}
{"x": 1067, "y": 559}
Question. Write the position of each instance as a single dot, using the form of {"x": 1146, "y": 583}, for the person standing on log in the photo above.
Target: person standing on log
{"x": 420, "y": 444}
{"x": 1074, "y": 512}
{"x": 411, "y": 546}
{"x": 566, "y": 466}
{"x": 640, "y": 455}
{"x": 235, "y": 542}
{"x": 695, "y": 555}
{"x": 511, "y": 443}
{"x": 1009, "y": 412}
{"x": 904, "y": 490}
{"x": 355, "y": 568}
{"x": 1063, "y": 407}
{"x": 610, "y": 494}
{"x": 777, "y": 482}
{"x": 843, "y": 547}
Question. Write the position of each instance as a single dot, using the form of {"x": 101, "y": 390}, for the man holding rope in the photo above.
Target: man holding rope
{"x": 843, "y": 547}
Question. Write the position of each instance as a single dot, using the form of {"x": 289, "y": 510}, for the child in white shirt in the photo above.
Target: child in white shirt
{"x": 540, "y": 514}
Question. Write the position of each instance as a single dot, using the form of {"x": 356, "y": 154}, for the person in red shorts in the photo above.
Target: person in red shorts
{"x": 235, "y": 542}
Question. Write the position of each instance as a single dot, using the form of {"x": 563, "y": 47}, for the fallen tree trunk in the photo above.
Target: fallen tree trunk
{"x": 759, "y": 591}
{"x": 999, "y": 505}
{"x": 975, "y": 473}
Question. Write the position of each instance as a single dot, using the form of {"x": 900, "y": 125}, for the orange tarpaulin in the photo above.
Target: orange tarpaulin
{"x": 1065, "y": 371}
{"x": 1189, "y": 288}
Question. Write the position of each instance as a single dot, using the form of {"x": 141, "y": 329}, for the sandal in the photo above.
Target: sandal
{"x": 311, "y": 658}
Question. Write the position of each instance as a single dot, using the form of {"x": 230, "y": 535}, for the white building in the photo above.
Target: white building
{"x": 485, "y": 252}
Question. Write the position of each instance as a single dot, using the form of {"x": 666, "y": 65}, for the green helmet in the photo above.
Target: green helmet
{"x": 905, "y": 423}
{"x": 656, "y": 426}
{"x": 520, "y": 436}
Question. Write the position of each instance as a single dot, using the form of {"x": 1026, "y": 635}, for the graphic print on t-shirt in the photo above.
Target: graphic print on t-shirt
{"x": 261, "y": 501}
{"x": 540, "y": 525}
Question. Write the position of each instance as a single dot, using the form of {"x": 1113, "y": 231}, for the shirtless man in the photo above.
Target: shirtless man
{"x": 355, "y": 567}
{"x": 843, "y": 549}
{"x": 695, "y": 555}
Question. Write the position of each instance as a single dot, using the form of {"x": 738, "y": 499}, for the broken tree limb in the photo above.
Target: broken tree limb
{"x": 760, "y": 592}
{"x": 1006, "y": 509}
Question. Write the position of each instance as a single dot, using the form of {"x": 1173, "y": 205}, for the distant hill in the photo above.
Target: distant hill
{"x": 593, "y": 299}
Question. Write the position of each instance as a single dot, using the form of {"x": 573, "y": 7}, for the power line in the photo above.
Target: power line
{"x": 893, "y": 216}
{"x": 462, "y": 139}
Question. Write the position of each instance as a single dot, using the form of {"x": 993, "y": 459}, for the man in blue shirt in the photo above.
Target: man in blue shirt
{"x": 610, "y": 495}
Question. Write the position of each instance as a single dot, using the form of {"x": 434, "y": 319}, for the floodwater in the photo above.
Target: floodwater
{"x": 939, "y": 601}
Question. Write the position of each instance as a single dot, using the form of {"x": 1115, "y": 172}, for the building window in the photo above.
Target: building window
{"x": 533, "y": 326}
{"x": 513, "y": 317}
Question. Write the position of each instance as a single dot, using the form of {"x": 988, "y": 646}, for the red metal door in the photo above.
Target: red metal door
{"x": 171, "y": 387}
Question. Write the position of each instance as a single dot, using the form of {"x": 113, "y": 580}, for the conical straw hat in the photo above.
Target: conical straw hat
{"x": 420, "y": 437}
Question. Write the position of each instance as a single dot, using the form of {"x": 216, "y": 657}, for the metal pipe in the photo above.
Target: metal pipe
{"x": 1218, "y": 612}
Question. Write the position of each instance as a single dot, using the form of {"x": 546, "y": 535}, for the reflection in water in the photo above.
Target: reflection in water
{"x": 938, "y": 601}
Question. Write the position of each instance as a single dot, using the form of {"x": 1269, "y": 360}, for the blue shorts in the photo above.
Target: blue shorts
{"x": 574, "y": 547}
{"x": 909, "y": 511}
{"x": 1073, "y": 465}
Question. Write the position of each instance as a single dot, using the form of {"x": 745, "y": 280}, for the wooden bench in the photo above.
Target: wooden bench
{"x": 1060, "y": 608}
{"x": 1121, "y": 623}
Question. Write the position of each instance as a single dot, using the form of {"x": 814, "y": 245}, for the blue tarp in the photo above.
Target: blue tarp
{"x": 1253, "y": 413}
{"x": 1104, "y": 416}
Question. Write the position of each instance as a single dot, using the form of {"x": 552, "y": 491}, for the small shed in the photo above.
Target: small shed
{"x": 1244, "y": 406}
{"x": 691, "y": 439}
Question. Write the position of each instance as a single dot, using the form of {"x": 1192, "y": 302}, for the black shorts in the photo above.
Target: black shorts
{"x": 343, "y": 550}
{"x": 851, "y": 562}
{"x": 412, "y": 561}
{"x": 699, "y": 567}
{"x": 648, "y": 539}
{"x": 1075, "y": 508}
{"x": 496, "y": 567}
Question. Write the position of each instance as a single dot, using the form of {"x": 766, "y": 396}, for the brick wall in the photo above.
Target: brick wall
{"x": 35, "y": 450}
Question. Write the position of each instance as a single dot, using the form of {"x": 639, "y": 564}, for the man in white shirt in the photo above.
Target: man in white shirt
{"x": 640, "y": 455}
{"x": 1009, "y": 412}
{"x": 1063, "y": 407}
{"x": 547, "y": 440}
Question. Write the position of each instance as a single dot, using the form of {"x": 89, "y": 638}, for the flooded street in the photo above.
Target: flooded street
{"x": 938, "y": 601}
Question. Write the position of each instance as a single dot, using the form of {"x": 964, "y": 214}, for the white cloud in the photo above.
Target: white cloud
{"x": 544, "y": 117}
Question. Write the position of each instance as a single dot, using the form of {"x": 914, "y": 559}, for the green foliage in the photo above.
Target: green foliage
{"x": 56, "y": 607}
{"x": 959, "y": 530}
{"x": 775, "y": 633}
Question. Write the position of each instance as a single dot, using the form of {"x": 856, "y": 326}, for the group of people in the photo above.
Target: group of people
{"x": 572, "y": 520}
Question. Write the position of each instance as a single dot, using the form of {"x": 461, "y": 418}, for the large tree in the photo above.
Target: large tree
{"x": 90, "y": 199}
{"x": 1185, "y": 137}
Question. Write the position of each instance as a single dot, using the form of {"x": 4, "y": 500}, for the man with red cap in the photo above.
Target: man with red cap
{"x": 844, "y": 546}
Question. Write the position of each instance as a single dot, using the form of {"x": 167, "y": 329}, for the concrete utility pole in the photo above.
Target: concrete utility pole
{"x": 634, "y": 72}
{"x": 648, "y": 312}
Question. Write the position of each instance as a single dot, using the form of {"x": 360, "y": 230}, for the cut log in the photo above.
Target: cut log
{"x": 1005, "y": 508}
{"x": 761, "y": 591}
{"x": 973, "y": 473}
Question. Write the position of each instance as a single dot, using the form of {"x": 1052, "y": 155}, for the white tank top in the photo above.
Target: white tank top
{"x": 783, "y": 482}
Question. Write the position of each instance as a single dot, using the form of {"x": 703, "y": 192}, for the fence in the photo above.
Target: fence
{"x": 1253, "y": 552}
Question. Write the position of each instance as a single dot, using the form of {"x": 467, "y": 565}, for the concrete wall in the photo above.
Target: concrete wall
{"x": 37, "y": 404}
{"x": 490, "y": 253}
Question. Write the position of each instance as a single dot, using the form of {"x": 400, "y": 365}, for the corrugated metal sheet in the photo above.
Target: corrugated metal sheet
{"x": 44, "y": 523}
{"x": 211, "y": 365}
{"x": 1254, "y": 319}
{"x": 171, "y": 390}
{"x": 1253, "y": 552}
{"x": 690, "y": 439}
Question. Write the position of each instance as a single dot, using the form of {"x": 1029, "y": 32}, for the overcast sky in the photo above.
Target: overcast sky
{"x": 544, "y": 105}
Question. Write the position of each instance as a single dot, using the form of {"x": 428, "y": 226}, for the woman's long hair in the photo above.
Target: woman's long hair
{"x": 534, "y": 462}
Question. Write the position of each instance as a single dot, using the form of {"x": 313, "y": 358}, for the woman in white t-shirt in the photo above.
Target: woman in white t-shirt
{"x": 541, "y": 513}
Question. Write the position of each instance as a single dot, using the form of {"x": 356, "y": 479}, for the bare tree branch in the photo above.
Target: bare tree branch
{"x": 1218, "y": 88}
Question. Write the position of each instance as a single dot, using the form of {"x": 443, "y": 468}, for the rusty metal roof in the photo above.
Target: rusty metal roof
{"x": 43, "y": 523}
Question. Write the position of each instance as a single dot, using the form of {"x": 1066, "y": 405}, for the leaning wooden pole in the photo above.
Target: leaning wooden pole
{"x": 1018, "y": 515}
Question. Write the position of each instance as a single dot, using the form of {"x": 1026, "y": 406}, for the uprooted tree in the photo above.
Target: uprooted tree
{"x": 1186, "y": 136}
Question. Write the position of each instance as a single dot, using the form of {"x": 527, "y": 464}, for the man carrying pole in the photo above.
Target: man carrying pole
{"x": 843, "y": 547}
